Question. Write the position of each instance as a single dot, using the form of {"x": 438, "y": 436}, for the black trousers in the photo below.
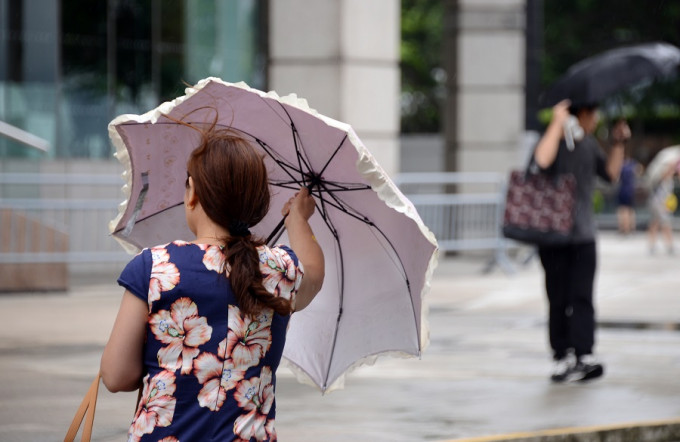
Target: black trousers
{"x": 569, "y": 278}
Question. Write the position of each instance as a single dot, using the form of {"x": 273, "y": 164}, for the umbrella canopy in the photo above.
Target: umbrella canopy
{"x": 379, "y": 254}
{"x": 592, "y": 80}
{"x": 663, "y": 161}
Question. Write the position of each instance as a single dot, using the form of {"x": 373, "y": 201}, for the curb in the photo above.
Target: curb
{"x": 652, "y": 431}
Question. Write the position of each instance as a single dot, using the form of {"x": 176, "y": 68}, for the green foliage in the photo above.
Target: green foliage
{"x": 421, "y": 74}
{"x": 574, "y": 30}
{"x": 598, "y": 201}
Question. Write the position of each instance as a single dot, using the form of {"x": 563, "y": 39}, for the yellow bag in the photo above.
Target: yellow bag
{"x": 671, "y": 202}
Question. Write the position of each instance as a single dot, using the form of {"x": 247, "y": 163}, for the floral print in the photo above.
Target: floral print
{"x": 256, "y": 396}
{"x": 183, "y": 331}
{"x": 214, "y": 259}
{"x": 157, "y": 405}
{"x": 164, "y": 274}
{"x": 209, "y": 367}
{"x": 249, "y": 338}
{"x": 279, "y": 273}
{"x": 217, "y": 376}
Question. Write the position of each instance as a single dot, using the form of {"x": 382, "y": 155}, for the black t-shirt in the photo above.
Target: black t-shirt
{"x": 585, "y": 162}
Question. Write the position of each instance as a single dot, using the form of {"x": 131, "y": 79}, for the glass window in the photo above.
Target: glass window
{"x": 68, "y": 68}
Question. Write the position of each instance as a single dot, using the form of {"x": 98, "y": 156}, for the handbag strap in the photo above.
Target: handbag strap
{"x": 85, "y": 411}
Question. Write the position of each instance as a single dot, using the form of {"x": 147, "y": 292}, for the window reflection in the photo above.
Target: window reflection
{"x": 67, "y": 68}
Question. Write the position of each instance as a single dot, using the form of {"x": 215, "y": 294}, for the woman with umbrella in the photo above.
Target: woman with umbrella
{"x": 570, "y": 268}
{"x": 202, "y": 324}
{"x": 662, "y": 202}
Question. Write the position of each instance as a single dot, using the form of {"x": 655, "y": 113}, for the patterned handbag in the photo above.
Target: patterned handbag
{"x": 539, "y": 208}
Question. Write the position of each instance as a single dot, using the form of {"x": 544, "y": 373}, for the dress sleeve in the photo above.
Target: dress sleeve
{"x": 135, "y": 276}
{"x": 282, "y": 272}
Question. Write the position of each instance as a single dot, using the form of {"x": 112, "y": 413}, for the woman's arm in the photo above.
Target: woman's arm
{"x": 619, "y": 135}
{"x": 546, "y": 150}
{"x": 121, "y": 364}
{"x": 302, "y": 241}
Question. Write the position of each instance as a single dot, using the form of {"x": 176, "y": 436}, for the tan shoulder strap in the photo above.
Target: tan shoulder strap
{"x": 86, "y": 406}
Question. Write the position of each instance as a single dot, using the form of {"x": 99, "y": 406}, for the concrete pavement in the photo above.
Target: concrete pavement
{"x": 485, "y": 372}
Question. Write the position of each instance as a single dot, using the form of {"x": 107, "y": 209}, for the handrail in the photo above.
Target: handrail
{"x": 448, "y": 178}
{"x": 40, "y": 178}
{"x": 463, "y": 209}
{"x": 24, "y": 137}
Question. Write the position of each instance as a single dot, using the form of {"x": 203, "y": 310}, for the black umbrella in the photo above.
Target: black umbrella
{"x": 592, "y": 80}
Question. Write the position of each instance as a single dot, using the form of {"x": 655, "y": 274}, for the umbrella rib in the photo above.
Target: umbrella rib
{"x": 289, "y": 185}
{"x": 291, "y": 124}
{"x": 296, "y": 137}
{"x": 277, "y": 158}
{"x": 370, "y": 223}
{"x": 155, "y": 214}
{"x": 338, "y": 186}
{"x": 341, "y": 300}
{"x": 340, "y": 205}
{"x": 298, "y": 151}
{"x": 337, "y": 149}
{"x": 284, "y": 166}
{"x": 357, "y": 215}
{"x": 400, "y": 265}
{"x": 337, "y": 204}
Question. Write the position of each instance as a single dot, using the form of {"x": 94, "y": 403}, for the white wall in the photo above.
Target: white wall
{"x": 491, "y": 53}
{"x": 343, "y": 57}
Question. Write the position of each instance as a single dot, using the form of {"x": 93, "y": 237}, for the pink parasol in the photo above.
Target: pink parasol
{"x": 379, "y": 254}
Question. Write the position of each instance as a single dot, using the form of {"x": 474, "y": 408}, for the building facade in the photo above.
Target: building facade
{"x": 69, "y": 67}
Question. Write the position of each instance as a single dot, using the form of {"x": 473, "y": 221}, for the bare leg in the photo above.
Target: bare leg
{"x": 668, "y": 237}
{"x": 653, "y": 228}
{"x": 633, "y": 224}
{"x": 626, "y": 218}
{"x": 621, "y": 217}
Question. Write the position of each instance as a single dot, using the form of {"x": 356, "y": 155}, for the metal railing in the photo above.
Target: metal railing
{"x": 463, "y": 209}
{"x": 38, "y": 207}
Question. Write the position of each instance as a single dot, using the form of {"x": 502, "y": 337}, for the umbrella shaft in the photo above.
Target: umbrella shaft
{"x": 276, "y": 233}
{"x": 278, "y": 230}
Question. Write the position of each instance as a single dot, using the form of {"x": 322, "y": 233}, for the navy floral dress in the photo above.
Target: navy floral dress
{"x": 210, "y": 370}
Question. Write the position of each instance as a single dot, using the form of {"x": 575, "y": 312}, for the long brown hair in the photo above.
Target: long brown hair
{"x": 231, "y": 184}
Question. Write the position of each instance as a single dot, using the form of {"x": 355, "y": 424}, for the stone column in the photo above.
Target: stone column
{"x": 488, "y": 107}
{"x": 343, "y": 57}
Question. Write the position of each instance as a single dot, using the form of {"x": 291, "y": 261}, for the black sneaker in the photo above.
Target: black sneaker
{"x": 587, "y": 367}
{"x": 562, "y": 368}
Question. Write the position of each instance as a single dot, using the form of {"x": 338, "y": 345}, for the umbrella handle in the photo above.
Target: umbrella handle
{"x": 278, "y": 230}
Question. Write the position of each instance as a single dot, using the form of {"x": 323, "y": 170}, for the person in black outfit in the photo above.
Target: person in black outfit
{"x": 570, "y": 268}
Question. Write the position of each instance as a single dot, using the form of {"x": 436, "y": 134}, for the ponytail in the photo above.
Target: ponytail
{"x": 246, "y": 278}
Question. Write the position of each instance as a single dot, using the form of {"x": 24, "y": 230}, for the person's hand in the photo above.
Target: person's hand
{"x": 560, "y": 112}
{"x": 302, "y": 205}
{"x": 620, "y": 133}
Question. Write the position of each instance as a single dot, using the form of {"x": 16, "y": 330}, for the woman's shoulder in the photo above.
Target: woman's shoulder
{"x": 178, "y": 246}
{"x": 279, "y": 251}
